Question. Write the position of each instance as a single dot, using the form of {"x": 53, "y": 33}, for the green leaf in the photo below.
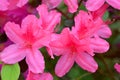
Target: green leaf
{"x": 10, "y": 72}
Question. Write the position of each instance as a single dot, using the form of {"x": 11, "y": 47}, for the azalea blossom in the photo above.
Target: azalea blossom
{"x": 72, "y": 4}
{"x": 93, "y": 5}
{"x": 80, "y": 44}
{"x": 33, "y": 34}
{"x": 48, "y": 21}
{"x": 11, "y": 4}
{"x": 26, "y": 40}
{"x": 86, "y": 26}
{"x": 72, "y": 50}
{"x": 117, "y": 67}
{"x": 41, "y": 76}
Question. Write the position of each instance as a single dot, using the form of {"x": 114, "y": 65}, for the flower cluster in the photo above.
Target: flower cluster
{"x": 35, "y": 29}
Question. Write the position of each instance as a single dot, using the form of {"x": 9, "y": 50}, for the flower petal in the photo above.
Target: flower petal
{"x": 12, "y": 54}
{"x": 43, "y": 39}
{"x": 64, "y": 64}
{"x": 58, "y": 51}
{"x": 51, "y": 3}
{"x": 58, "y": 44}
{"x": 43, "y": 12}
{"x": 46, "y": 76}
{"x": 104, "y": 31}
{"x": 35, "y": 61}
{"x": 54, "y": 18}
{"x": 30, "y": 23}
{"x": 43, "y": 76}
{"x": 72, "y": 5}
{"x": 86, "y": 61}
{"x": 100, "y": 12}
{"x": 48, "y": 20}
{"x": 80, "y": 19}
{"x": 85, "y": 26}
{"x": 22, "y": 3}
{"x": 49, "y": 50}
{"x": 13, "y": 32}
{"x": 99, "y": 45}
{"x": 117, "y": 67}
{"x": 12, "y": 4}
{"x": 32, "y": 76}
{"x": 93, "y": 5}
{"x": 114, "y": 3}
{"x": 4, "y": 5}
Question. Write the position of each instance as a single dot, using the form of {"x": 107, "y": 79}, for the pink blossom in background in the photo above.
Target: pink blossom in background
{"x": 42, "y": 76}
{"x": 48, "y": 20}
{"x": 15, "y": 15}
{"x": 11, "y": 4}
{"x": 27, "y": 40}
{"x": 93, "y": 5}
{"x": 72, "y": 4}
{"x": 52, "y": 3}
{"x": 117, "y": 67}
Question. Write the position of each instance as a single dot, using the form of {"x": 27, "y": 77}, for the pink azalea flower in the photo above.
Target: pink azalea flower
{"x": 117, "y": 67}
{"x": 80, "y": 44}
{"x": 93, "y": 5}
{"x": 33, "y": 34}
{"x": 86, "y": 26}
{"x": 42, "y": 76}
{"x": 16, "y": 16}
{"x": 27, "y": 40}
{"x": 11, "y": 4}
{"x": 72, "y": 4}
{"x": 48, "y": 21}
{"x": 72, "y": 50}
